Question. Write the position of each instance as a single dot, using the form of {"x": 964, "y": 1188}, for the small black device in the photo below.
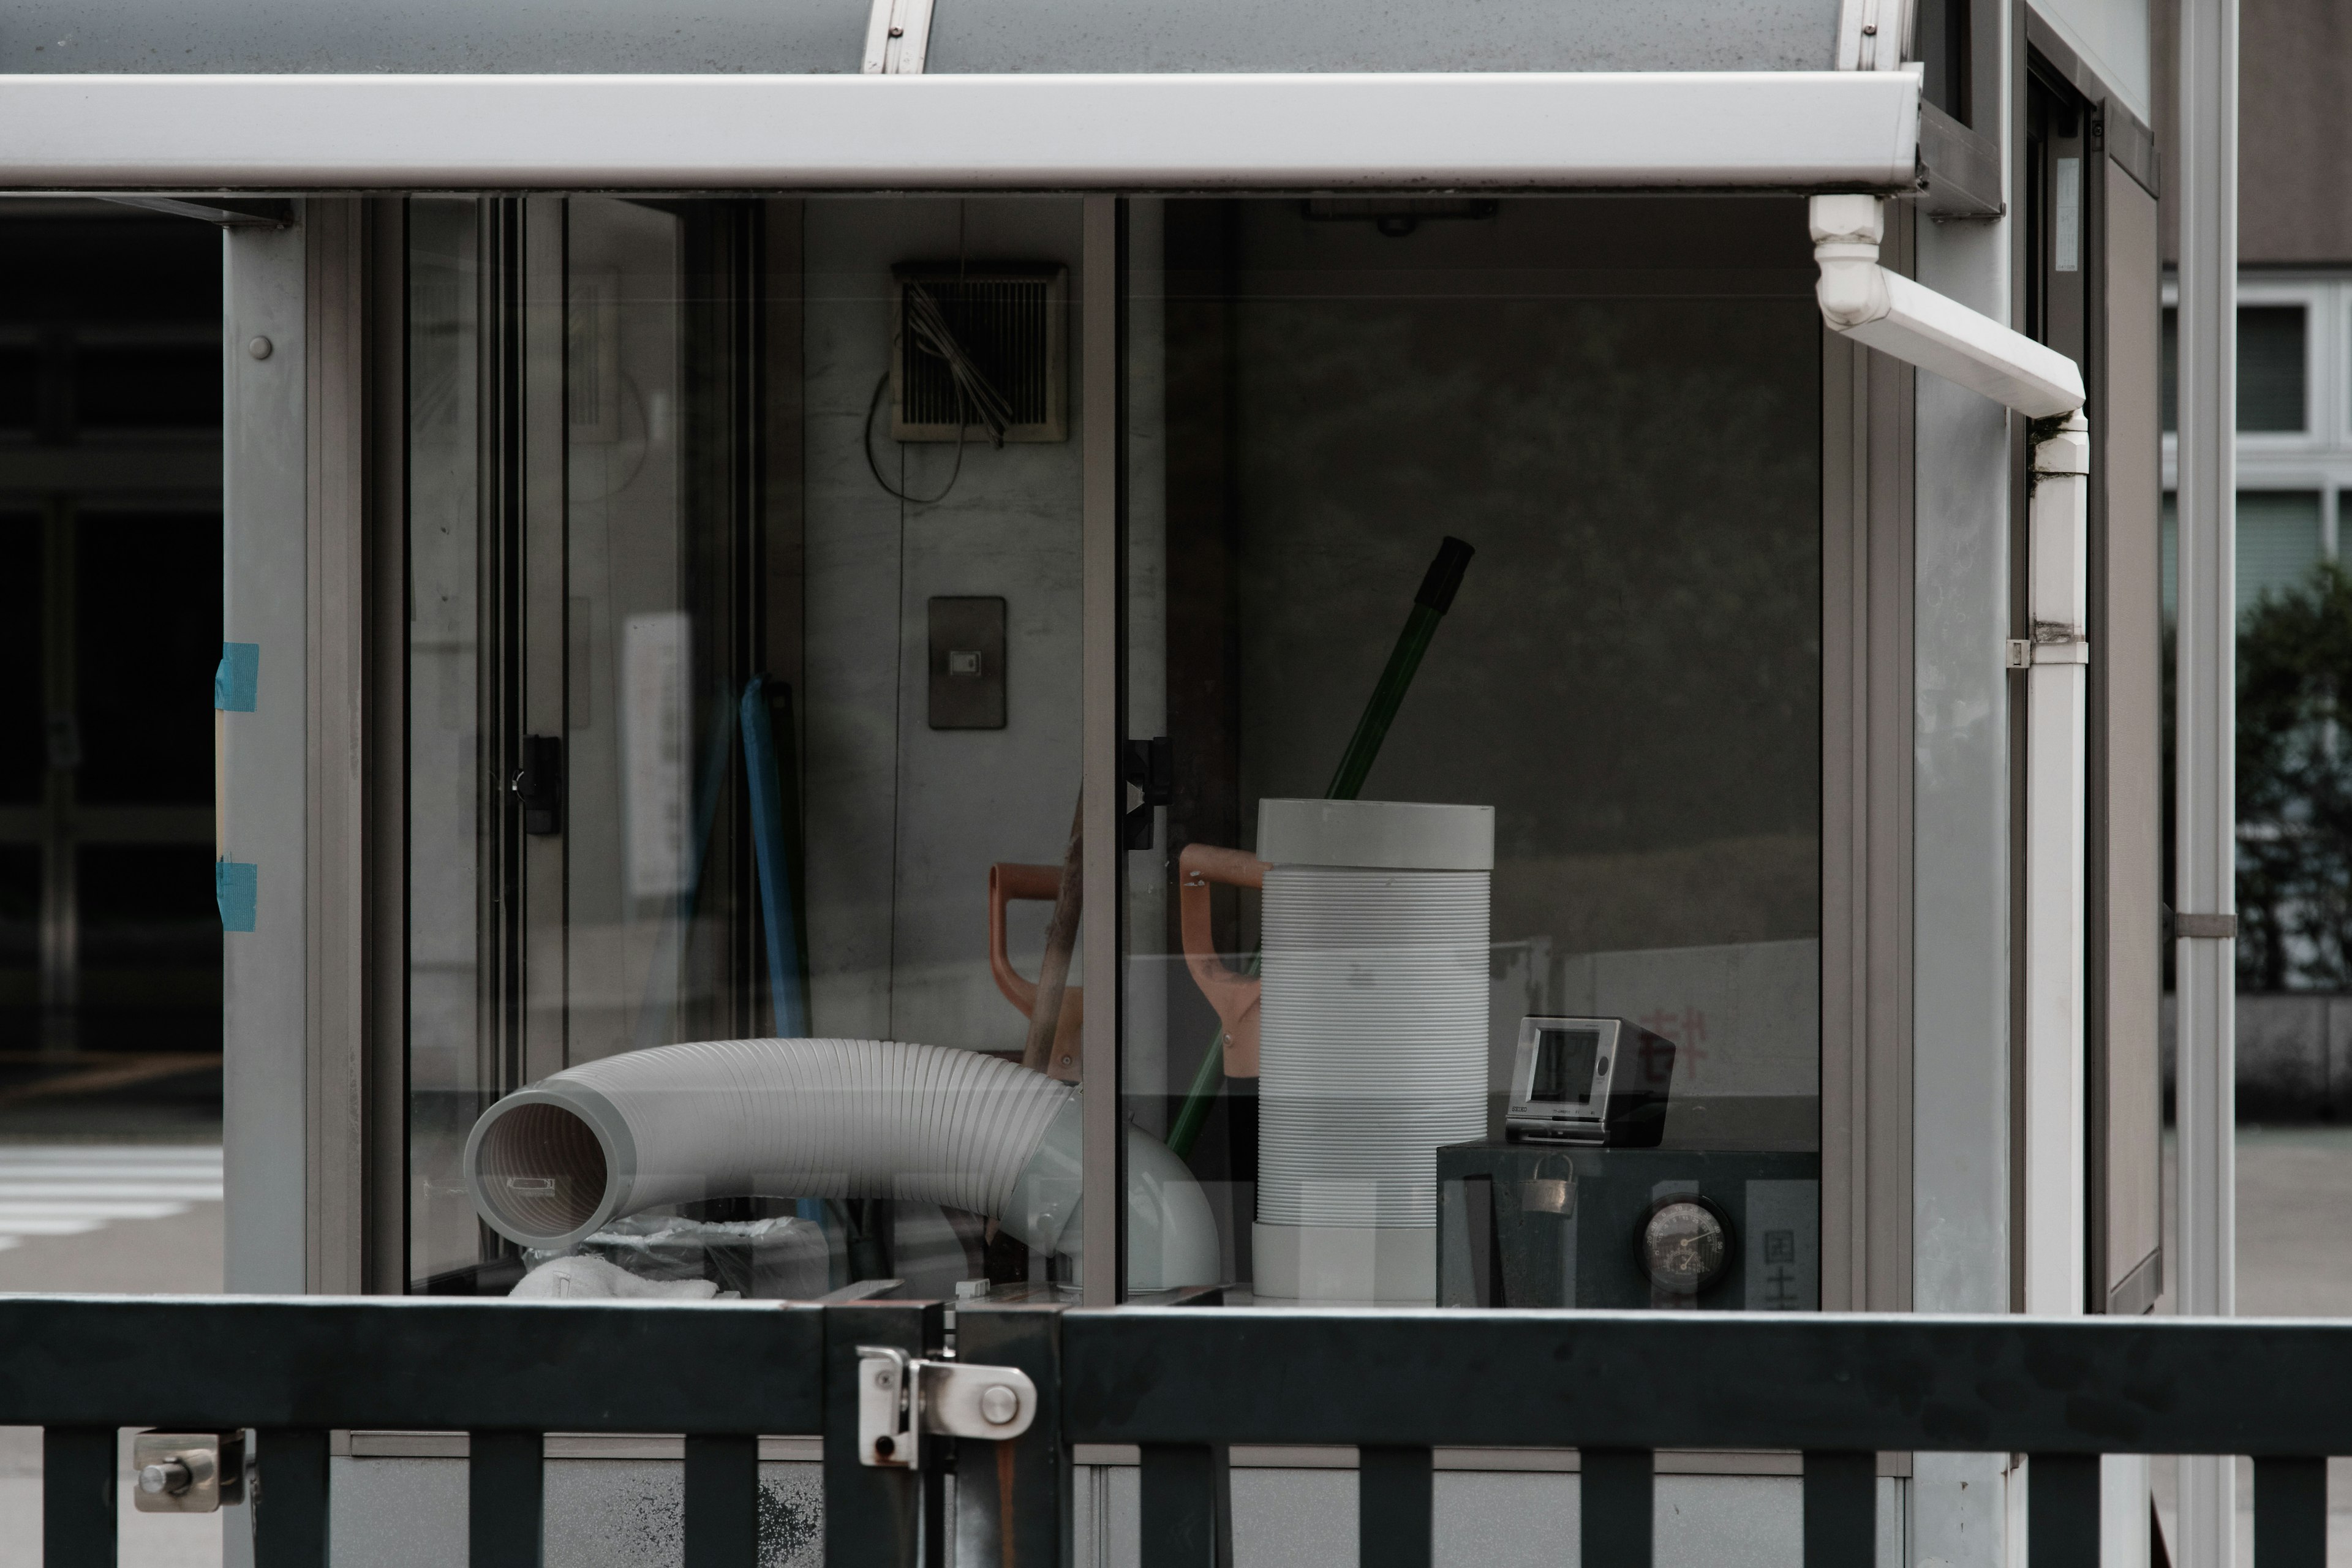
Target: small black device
{"x": 1589, "y": 1081}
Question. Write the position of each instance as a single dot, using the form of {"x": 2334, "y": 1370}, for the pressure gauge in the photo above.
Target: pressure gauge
{"x": 1684, "y": 1245}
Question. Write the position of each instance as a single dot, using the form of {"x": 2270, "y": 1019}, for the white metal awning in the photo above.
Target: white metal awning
{"x": 1786, "y": 129}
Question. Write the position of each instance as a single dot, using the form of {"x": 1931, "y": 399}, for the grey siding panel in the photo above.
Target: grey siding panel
{"x": 791, "y": 37}
{"x": 982, "y": 36}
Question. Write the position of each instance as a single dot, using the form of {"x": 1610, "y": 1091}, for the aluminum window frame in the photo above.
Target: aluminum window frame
{"x": 1699, "y": 133}
{"x": 1272, "y": 131}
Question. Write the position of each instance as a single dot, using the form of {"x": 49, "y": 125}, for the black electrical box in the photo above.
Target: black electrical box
{"x": 1533, "y": 1224}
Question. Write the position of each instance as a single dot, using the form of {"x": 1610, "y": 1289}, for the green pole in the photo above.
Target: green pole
{"x": 1438, "y": 586}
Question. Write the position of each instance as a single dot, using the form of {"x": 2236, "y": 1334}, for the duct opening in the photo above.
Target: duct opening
{"x": 542, "y": 1170}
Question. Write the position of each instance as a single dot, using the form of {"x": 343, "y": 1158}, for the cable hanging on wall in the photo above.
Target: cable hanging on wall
{"x": 977, "y": 350}
{"x": 977, "y": 401}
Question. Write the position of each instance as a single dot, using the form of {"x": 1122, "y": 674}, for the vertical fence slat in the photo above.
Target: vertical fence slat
{"x": 1185, "y": 1506}
{"x": 937, "y": 1547}
{"x": 1015, "y": 1493}
{"x": 289, "y": 1508}
{"x": 77, "y": 1497}
{"x": 1394, "y": 1498}
{"x": 1841, "y": 1510}
{"x": 2061, "y": 1510}
{"x": 722, "y": 1501}
{"x": 506, "y": 1479}
{"x": 873, "y": 1515}
{"x": 1614, "y": 1496}
{"x": 2290, "y": 1512}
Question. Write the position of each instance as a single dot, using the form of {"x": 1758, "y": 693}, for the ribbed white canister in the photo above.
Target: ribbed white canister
{"x": 1372, "y": 1042}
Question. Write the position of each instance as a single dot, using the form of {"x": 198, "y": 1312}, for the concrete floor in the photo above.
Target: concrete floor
{"x": 2295, "y": 1260}
{"x": 2294, "y": 1252}
{"x": 173, "y": 1256}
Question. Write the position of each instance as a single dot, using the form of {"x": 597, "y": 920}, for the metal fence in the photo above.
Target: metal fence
{"x": 1183, "y": 1386}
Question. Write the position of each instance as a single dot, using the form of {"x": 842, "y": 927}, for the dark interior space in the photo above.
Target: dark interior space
{"x": 111, "y": 612}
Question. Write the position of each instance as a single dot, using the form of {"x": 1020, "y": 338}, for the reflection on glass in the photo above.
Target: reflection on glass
{"x": 755, "y": 714}
{"x": 452, "y": 1038}
{"x": 641, "y": 801}
{"x": 743, "y": 703}
{"x": 1625, "y": 679}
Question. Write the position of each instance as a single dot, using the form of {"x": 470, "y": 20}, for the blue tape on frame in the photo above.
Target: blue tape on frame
{"x": 236, "y": 886}
{"x": 237, "y": 681}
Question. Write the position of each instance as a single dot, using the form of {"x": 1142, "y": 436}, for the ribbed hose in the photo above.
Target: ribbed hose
{"x": 820, "y": 1119}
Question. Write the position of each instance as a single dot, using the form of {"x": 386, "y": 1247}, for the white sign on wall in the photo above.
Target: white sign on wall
{"x": 655, "y": 743}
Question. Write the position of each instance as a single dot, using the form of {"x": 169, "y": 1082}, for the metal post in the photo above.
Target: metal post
{"x": 2205, "y": 724}
{"x": 264, "y": 768}
{"x": 1103, "y": 461}
{"x": 873, "y": 1515}
{"x": 77, "y": 1509}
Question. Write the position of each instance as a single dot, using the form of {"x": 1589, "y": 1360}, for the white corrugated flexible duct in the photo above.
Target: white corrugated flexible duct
{"x": 822, "y": 1119}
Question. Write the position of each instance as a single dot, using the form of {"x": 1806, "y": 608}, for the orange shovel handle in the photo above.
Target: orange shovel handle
{"x": 1234, "y": 996}
{"x": 1028, "y": 884}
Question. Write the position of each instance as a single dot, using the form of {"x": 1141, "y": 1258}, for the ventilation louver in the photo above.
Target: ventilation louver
{"x": 1010, "y": 320}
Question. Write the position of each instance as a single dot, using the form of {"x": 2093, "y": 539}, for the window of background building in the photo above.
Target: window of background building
{"x": 2279, "y": 539}
{"x": 2273, "y": 390}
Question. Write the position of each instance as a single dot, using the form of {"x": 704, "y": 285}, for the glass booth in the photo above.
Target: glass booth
{"x": 1465, "y": 634}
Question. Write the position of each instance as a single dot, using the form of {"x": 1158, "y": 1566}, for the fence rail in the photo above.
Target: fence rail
{"x": 1180, "y": 1384}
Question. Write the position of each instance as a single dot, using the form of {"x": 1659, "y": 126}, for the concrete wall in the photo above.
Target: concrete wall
{"x": 2114, "y": 38}
{"x": 2293, "y": 140}
{"x": 2295, "y": 1055}
{"x": 626, "y": 1513}
{"x": 600, "y": 1514}
{"x": 903, "y": 821}
{"x": 1303, "y": 1518}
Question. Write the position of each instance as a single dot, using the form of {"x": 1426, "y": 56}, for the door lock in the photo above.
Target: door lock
{"x": 901, "y": 1397}
{"x": 187, "y": 1472}
{"x": 539, "y": 785}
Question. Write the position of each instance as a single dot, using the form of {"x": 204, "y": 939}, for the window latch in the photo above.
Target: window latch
{"x": 1151, "y": 782}
{"x": 539, "y": 785}
{"x": 902, "y": 1397}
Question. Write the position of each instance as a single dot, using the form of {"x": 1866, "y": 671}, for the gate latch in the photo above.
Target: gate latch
{"x": 901, "y": 1396}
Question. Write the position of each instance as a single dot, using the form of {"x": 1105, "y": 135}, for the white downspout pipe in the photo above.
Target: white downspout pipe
{"x": 1896, "y": 316}
{"x": 1889, "y": 313}
{"x": 2057, "y": 698}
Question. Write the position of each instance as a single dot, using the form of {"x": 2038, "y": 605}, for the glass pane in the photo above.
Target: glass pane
{"x": 130, "y": 382}
{"x": 2172, "y": 395}
{"x": 143, "y": 704}
{"x": 2278, "y": 541}
{"x": 2271, "y": 368}
{"x": 150, "y": 947}
{"x": 24, "y": 767}
{"x": 1589, "y": 834}
{"x": 453, "y": 1067}
{"x": 650, "y": 709}
{"x": 20, "y": 945}
{"x": 745, "y": 554}
{"x": 2169, "y": 548}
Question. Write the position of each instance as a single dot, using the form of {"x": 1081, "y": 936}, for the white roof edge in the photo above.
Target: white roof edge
{"x": 1790, "y": 130}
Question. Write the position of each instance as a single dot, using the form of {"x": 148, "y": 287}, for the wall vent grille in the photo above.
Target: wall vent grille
{"x": 1012, "y": 321}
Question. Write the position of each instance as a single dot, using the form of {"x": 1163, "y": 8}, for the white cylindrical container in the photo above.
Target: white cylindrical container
{"x": 1372, "y": 1038}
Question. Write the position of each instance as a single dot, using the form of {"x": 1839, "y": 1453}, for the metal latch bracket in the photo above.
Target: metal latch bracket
{"x": 902, "y": 1397}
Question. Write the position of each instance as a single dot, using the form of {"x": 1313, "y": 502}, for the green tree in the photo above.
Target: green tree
{"x": 2295, "y": 786}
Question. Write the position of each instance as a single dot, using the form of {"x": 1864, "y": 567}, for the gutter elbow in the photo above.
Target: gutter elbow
{"x": 1846, "y": 230}
{"x": 1852, "y": 288}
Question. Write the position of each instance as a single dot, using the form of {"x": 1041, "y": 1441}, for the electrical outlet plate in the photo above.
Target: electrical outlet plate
{"x": 966, "y": 664}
